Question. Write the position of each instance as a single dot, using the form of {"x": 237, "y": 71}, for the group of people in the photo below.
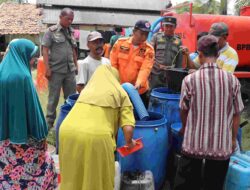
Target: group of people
{"x": 210, "y": 105}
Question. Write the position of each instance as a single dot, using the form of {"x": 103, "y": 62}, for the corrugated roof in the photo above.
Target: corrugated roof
{"x": 89, "y": 17}
{"x": 20, "y": 19}
{"x": 153, "y": 5}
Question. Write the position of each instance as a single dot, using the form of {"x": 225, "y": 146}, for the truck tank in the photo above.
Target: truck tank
{"x": 189, "y": 25}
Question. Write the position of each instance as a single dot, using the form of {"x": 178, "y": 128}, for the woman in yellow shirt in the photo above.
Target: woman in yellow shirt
{"x": 87, "y": 135}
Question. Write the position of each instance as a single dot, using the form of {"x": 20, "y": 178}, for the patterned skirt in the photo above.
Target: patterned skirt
{"x": 26, "y": 166}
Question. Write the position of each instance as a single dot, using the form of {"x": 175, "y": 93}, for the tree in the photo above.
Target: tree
{"x": 239, "y": 4}
{"x": 202, "y": 7}
{"x": 3, "y": 1}
{"x": 223, "y": 7}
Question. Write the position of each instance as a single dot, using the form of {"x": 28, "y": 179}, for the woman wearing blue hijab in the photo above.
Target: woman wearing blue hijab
{"x": 24, "y": 162}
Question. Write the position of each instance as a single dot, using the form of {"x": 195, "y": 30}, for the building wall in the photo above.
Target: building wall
{"x": 95, "y": 27}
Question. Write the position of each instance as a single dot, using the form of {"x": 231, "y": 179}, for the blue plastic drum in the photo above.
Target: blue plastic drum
{"x": 153, "y": 156}
{"x": 163, "y": 101}
{"x": 176, "y": 138}
{"x": 65, "y": 109}
{"x": 71, "y": 100}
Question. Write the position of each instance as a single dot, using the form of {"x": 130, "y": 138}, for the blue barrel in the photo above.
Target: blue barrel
{"x": 163, "y": 101}
{"x": 72, "y": 99}
{"x": 64, "y": 110}
{"x": 136, "y": 100}
{"x": 238, "y": 173}
{"x": 153, "y": 156}
{"x": 176, "y": 138}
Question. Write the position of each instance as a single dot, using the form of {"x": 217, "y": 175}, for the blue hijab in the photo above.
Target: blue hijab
{"x": 21, "y": 116}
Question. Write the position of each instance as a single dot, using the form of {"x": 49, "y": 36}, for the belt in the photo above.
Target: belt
{"x": 164, "y": 67}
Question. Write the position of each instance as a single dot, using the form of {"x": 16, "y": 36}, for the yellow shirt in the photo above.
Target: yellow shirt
{"x": 227, "y": 61}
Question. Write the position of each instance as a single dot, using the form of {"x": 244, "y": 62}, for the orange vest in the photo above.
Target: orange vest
{"x": 133, "y": 63}
{"x": 106, "y": 48}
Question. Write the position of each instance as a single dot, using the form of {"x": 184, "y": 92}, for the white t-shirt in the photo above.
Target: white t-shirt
{"x": 87, "y": 67}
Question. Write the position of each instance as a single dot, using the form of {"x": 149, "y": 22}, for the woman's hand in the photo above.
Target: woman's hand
{"x": 131, "y": 144}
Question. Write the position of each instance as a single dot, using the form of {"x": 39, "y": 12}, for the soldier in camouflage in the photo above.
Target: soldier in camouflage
{"x": 60, "y": 59}
{"x": 168, "y": 53}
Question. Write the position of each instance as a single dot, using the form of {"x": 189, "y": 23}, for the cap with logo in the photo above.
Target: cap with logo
{"x": 94, "y": 36}
{"x": 169, "y": 20}
{"x": 218, "y": 29}
{"x": 205, "y": 42}
{"x": 143, "y": 25}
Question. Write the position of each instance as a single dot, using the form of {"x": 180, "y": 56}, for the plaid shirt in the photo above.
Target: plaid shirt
{"x": 211, "y": 96}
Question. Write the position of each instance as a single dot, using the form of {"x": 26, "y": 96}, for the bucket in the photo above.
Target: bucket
{"x": 64, "y": 110}
{"x": 164, "y": 101}
{"x": 137, "y": 180}
{"x": 174, "y": 77}
{"x": 153, "y": 156}
{"x": 135, "y": 98}
{"x": 71, "y": 100}
{"x": 176, "y": 138}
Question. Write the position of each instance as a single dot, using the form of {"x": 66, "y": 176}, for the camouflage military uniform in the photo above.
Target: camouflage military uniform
{"x": 60, "y": 42}
{"x": 167, "y": 55}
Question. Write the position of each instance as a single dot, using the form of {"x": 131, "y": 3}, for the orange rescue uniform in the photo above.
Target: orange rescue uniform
{"x": 106, "y": 48}
{"x": 133, "y": 63}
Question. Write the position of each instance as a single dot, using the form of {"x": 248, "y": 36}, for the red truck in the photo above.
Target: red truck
{"x": 189, "y": 25}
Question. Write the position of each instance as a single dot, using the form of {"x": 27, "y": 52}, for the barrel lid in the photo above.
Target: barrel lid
{"x": 165, "y": 93}
{"x": 155, "y": 120}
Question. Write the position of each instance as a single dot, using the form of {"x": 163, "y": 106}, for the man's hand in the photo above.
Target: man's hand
{"x": 48, "y": 73}
{"x": 184, "y": 50}
{"x": 137, "y": 86}
{"x": 234, "y": 144}
{"x": 191, "y": 71}
{"x": 76, "y": 71}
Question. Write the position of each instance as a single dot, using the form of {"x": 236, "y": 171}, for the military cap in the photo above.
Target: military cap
{"x": 169, "y": 20}
{"x": 143, "y": 25}
{"x": 206, "y": 42}
{"x": 219, "y": 29}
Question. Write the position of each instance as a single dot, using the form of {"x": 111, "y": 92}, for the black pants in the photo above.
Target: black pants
{"x": 193, "y": 174}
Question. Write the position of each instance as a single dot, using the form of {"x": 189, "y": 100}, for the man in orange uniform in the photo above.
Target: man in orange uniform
{"x": 134, "y": 58}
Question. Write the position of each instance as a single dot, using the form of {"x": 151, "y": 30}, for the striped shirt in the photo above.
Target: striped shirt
{"x": 227, "y": 61}
{"x": 211, "y": 96}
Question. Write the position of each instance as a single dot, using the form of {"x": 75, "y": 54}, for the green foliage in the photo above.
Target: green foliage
{"x": 199, "y": 7}
{"x": 239, "y": 4}
{"x": 43, "y": 97}
{"x": 3, "y": 1}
